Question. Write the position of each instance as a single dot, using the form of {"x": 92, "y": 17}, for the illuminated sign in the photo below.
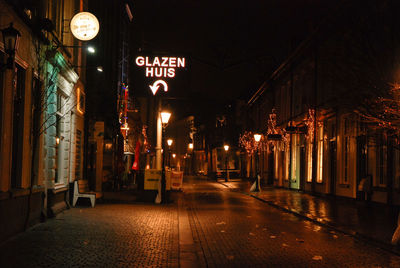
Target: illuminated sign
{"x": 156, "y": 84}
{"x": 160, "y": 67}
{"x": 84, "y": 26}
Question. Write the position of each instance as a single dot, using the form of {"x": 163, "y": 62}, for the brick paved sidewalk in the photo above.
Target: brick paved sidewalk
{"x": 109, "y": 235}
{"x": 374, "y": 222}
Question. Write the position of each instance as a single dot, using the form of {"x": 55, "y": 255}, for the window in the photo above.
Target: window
{"x": 309, "y": 161}
{"x": 287, "y": 161}
{"x": 320, "y": 136}
{"x": 295, "y": 157}
{"x": 276, "y": 162}
{"x": 59, "y": 137}
{"x": 55, "y": 15}
{"x": 18, "y": 128}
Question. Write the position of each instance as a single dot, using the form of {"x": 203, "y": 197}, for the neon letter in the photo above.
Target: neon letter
{"x": 147, "y": 62}
{"x": 149, "y": 72}
{"x": 158, "y": 74}
{"x": 156, "y": 62}
{"x": 171, "y": 72}
{"x": 181, "y": 62}
{"x": 140, "y": 61}
{"x": 172, "y": 62}
{"x": 164, "y": 62}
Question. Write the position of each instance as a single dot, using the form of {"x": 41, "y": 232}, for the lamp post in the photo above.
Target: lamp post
{"x": 169, "y": 142}
{"x": 191, "y": 160}
{"x": 165, "y": 116}
{"x": 257, "y": 138}
{"x": 226, "y": 148}
{"x": 10, "y": 40}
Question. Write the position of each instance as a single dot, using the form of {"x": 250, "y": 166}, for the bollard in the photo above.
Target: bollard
{"x": 256, "y": 185}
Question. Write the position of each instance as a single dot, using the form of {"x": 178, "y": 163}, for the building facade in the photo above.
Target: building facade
{"x": 42, "y": 111}
{"x": 322, "y": 114}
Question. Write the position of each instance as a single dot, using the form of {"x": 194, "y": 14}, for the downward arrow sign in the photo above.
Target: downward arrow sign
{"x": 156, "y": 85}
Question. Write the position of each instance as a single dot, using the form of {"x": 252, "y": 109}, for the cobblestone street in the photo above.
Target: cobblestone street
{"x": 206, "y": 225}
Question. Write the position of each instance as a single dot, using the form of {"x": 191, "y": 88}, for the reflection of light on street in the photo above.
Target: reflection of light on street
{"x": 312, "y": 208}
{"x": 323, "y": 210}
{"x": 317, "y": 228}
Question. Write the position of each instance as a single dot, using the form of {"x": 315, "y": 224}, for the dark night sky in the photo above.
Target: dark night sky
{"x": 231, "y": 46}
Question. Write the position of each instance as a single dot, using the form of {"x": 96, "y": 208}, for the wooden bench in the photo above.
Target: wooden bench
{"x": 81, "y": 189}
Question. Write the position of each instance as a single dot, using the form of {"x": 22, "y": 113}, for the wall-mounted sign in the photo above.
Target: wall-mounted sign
{"x": 84, "y": 26}
{"x": 160, "y": 67}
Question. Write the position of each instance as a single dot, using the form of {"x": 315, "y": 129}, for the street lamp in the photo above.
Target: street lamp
{"x": 10, "y": 40}
{"x": 169, "y": 142}
{"x": 165, "y": 116}
{"x": 257, "y": 138}
{"x": 226, "y": 148}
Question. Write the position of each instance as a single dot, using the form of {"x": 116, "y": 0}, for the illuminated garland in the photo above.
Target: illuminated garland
{"x": 246, "y": 141}
{"x": 384, "y": 112}
{"x": 309, "y": 122}
{"x": 123, "y": 114}
{"x": 273, "y": 129}
{"x": 271, "y": 124}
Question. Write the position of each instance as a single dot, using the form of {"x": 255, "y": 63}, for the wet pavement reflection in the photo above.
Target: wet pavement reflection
{"x": 237, "y": 230}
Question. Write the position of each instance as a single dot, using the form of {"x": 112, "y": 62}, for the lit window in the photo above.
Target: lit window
{"x": 320, "y": 153}
{"x": 295, "y": 156}
{"x": 287, "y": 160}
{"x": 276, "y": 169}
{"x": 309, "y": 161}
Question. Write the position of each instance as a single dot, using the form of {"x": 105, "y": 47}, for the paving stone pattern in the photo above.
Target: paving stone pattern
{"x": 236, "y": 230}
{"x": 110, "y": 235}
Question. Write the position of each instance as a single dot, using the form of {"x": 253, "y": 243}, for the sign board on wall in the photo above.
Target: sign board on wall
{"x": 84, "y": 26}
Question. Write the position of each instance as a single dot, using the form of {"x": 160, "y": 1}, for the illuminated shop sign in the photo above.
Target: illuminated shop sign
{"x": 160, "y": 67}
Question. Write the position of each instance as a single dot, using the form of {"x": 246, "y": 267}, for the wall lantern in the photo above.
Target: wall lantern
{"x": 11, "y": 40}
